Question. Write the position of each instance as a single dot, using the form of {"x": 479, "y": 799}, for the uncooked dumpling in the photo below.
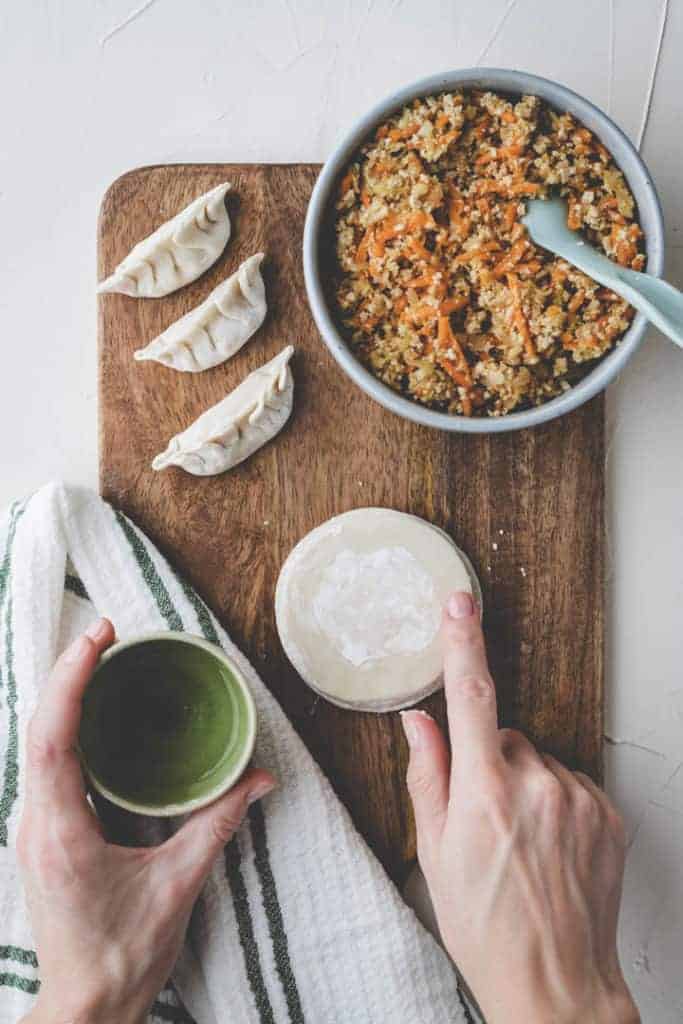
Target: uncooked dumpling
{"x": 177, "y": 252}
{"x": 231, "y": 431}
{"x": 358, "y": 607}
{"x": 213, "y": 331}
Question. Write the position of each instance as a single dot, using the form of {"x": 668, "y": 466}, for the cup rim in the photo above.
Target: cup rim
{"x": 186, "y": 806}
{"x": 639, "y": 180}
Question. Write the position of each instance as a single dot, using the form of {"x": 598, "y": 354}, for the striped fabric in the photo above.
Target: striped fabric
{"x": 297, "y": 923}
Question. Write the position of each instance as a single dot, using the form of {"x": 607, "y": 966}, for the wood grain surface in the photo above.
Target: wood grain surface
{"x": 527, "y": 507}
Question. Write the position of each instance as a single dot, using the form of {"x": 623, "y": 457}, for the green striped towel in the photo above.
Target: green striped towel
{"x": 298, "y": 922}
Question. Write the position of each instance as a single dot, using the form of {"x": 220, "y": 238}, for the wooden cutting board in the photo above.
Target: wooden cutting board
{"x": 527, "y": 507}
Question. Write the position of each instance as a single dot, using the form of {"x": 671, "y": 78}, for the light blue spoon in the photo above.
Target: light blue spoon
{"x": 661, "y": 303}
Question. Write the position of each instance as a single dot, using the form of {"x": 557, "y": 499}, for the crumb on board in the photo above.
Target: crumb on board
{"x": 440, "y": 290}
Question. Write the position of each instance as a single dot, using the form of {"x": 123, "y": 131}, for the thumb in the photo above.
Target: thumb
{"x": 428, "y": 779}
{"x": 191, "y": 852}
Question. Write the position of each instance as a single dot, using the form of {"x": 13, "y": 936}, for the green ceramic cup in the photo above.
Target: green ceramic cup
{"x": 168, "y": 724}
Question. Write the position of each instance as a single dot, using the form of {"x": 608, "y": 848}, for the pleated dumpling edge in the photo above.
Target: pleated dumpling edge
{"x": 229, "y": 432}
{"x": 215, "y": 329}
{"x": 178, "y": 252}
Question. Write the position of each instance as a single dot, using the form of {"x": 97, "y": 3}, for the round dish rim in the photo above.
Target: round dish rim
{"x": 378, "y": 706}
{"x": 506, "y": 80}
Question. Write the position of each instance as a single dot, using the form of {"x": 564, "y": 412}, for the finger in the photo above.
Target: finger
{"x": 560, "y": 772}
{"x": 191, "y": 852}
{"x": 427, "y": 778}
{"x": 519, "y": 751}
{"x": 572, "y": 780}
{"x": 470, "y": 693}
{"x": 53, "y": 768}
{"x": 612, "y": 815}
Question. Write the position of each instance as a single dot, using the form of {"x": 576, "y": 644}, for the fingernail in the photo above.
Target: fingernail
{"x": 78, "y": 649}
{"x": 460, "y": 605}
{"x": 411, "y": 729}
{"x": 96, "y": 629}
{"x": 258, "y": 792}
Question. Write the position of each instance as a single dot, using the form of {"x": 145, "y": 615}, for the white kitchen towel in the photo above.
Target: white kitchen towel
{"x": 298, "y": 922}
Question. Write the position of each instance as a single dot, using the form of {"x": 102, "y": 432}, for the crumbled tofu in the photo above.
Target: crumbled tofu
{"x": 439, "y": 289}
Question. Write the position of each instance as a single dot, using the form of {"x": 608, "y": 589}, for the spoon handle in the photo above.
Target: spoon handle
{"x": 661, "y": 303}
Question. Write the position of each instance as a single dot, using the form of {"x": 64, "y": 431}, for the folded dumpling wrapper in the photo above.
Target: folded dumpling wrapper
{"x": 228, "y": 433}
{"x": 177, "y": 252}
{"x": 213, "y": 331}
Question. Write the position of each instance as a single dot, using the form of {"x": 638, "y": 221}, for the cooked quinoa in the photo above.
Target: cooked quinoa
{"x": 439, "y": 288}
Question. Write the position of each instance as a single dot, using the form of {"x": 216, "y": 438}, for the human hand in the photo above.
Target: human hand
{"x": 523, "y": 858}
{"x": 108, "y": 920}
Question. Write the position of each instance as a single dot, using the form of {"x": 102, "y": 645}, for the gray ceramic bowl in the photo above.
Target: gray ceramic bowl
{"x": 516, "y": 83}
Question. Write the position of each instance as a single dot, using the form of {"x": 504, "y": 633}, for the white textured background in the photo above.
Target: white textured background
{"x": 88, "y": 93}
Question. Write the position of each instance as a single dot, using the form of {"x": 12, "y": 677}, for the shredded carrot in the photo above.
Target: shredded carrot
{"x": 420, "y": 282}
{"x": 482, "y": 126}
{"x": 381, "y": 168}
{"x": 510, "y": 258}
{"x": 364, "y": 196}
{"x": 385, "y": 231}
{"x": 558, "y": 274}
{"x": 574, "y": 216}
{"x": 442, "y": 120}
{"x": 456, "y": 216}
{"x": 486, "y": 158}
{"x": 346, "y": 183}
{"x": 508, "y": 117}
{"x": 525, "y": 188}
{"x": 484, "y": 208}
{"x": 420, "y": 219}
{"x": 451, "y": 136}
{"x": 453, "y": 305}
{"x": 576, "y": 301}
{"x": 447, "y": 340}
{"x": 520, "y": 319}
{"x": 510, "y": 215}
{"x": 518, "y": 231}
{"x": 626, "y": 251}
{"x": 421, "y": 314}
{"x": 403, "y": 133}
{"x": 484, "y": 252}
{"x": 517, "y": 188}
{"x": 416, "y": 247}
{"x": 362, "y": 250}
{"x": 514, "y": 149}
{"x": 382, "y": 131}
{"x": 529, "y": 268}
